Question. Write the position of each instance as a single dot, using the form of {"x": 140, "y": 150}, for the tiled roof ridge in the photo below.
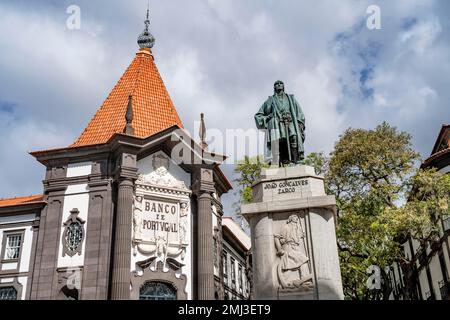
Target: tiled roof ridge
{"x": 5, "y": 202}
{"x": 22, "y": 197}
{"x": 173, "y": 110}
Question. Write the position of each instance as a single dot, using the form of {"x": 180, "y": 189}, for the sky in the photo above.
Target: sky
{"x": 221, "y": 57}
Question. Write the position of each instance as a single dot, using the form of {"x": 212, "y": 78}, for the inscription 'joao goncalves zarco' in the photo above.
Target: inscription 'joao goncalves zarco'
{"x": 160, "y": 216}
{"x": 285, "y": 186}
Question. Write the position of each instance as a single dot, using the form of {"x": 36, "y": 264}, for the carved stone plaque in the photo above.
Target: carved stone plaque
{"x": 293, "y": 266}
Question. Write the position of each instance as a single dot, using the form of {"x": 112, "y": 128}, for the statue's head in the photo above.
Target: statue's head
{"x": 293, "y": 218}
{"x": 278, "y": 86}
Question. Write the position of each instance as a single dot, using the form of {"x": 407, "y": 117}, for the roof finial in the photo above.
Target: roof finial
{"x": 202, "y": 132}
{"x": 129, "y": 117}
{"x": 146, "y": 39}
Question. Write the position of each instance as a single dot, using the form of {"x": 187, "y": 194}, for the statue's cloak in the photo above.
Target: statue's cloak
{"x": 269, "y": 118}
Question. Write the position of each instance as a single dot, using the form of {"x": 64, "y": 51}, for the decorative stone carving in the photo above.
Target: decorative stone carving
{"x": 154, "y": 270}
{"x": 161, "y": 224}
{"x": 160, "y": 227}
{"x": 161, "y": 178}
{"x": 293, "y": 267}
{"x": 137, "y": 217}
{"x": 184, "y": 209}
{"x": 160, "y": 162}
{"x": 73, "y": 235}
{"x": 217, "y": 239}
{"x": 69, "y": 283}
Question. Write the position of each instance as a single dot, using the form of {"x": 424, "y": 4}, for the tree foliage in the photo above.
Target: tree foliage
{"x": 248, "y": 171}
{"x": 382, "y": 199}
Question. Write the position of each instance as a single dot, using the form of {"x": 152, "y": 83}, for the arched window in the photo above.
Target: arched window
{"x": 8, "y": 293}
{"x": 152, "y": 290}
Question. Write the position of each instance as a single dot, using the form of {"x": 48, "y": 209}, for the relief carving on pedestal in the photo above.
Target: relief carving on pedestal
{"x": 293, "y": 264}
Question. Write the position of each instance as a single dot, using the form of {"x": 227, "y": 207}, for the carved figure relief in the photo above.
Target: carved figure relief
{"x": 137, "y": 217}
{"x": 293, "y": 267}
{"x": 161, "y": 218}
{"x": 160, "y": 228}
{"x": 184, "y": 208}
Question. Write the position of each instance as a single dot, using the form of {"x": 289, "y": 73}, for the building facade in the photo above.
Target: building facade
{"x": 131, "y": 210}
{"x": 432, "y": 269}
{"x": 235, "y": 261}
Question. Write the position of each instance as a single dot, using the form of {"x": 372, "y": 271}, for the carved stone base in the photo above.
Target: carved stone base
{"x": 170, "y": 276}
{"x": 294, "y": 248}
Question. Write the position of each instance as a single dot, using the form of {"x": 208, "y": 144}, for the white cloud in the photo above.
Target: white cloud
{"x": 421, "y": 36}
{"x": 221, "y": 58}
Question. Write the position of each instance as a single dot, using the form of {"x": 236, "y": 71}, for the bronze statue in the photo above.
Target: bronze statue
{"x": 283, "y": 119}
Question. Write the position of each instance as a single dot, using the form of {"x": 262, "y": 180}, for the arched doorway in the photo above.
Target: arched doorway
{"x": 8, "y": 293}
{"x": 152, "y": 290}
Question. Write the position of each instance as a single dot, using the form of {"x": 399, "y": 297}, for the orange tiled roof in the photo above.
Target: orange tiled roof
{"x": 20, "y": 200}
{"x": 153, "y": 110}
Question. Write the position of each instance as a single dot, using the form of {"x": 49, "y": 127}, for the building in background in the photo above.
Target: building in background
{"x": 235, "y": 255}
{"x": 131, "y": 210}
{"x": 433, "y": 266}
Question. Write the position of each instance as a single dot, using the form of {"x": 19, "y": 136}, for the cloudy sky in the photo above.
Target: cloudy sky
{"x": 221, "y": 57}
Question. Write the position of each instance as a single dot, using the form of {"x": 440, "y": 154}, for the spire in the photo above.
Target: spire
{"x": 202, "y": 132}
{"x": 129, "y": 117}
{"x": 146, "y": 39}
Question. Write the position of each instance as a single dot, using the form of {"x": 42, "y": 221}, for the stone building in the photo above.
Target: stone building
{"x": 235, "y": 264}
{"x": 131, "y": 210}
{"x": 433, "y": 266}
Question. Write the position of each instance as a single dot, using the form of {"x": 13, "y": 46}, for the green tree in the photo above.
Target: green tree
{"x": 369, "y": 171}
{"x": 317, "y": 160}
{"x": 382, "y": 200}
{"x": 419, "y": 219}
{"x": 248, "y": 171}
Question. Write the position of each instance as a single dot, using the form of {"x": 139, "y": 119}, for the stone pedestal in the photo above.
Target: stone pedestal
{"x": 294, "y": 249}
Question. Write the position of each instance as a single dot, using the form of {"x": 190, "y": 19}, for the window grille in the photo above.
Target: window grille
{"x": 13, "y": 243}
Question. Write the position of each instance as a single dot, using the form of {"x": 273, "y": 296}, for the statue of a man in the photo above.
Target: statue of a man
{"x": 283, "y": 119}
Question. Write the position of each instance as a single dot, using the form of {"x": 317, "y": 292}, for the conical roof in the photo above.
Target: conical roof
{"x": 153, "y": 110}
